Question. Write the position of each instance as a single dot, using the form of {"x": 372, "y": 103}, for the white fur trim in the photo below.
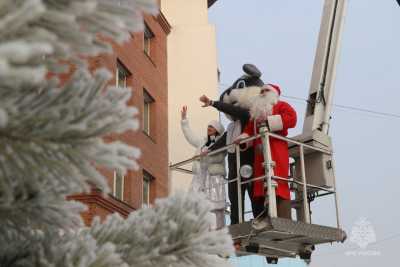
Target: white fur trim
{"x": 190, "y": 136}
{"x": 275, "y": 123}
{"x": 269, "y": 87}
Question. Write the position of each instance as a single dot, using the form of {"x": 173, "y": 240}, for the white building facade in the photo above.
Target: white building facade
{"x": 192, "y": 71}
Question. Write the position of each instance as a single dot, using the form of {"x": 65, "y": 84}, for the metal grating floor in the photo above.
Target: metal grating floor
{"x": 282, "y": 237}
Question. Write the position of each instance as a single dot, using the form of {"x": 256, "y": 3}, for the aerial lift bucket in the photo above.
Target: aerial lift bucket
{"x": 273, "y": 237}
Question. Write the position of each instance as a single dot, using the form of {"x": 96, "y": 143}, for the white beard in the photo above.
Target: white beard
{"x": 261, "y": 105}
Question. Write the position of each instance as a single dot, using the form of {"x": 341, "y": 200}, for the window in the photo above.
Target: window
{"x": 121, "y": 75}
{"x": 118, "y": 186}
{"x": 148, "y": 36}
{"x": 147, "y": 178}
{"x": 147, "y": 103}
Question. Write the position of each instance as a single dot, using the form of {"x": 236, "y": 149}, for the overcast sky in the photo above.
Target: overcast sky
{"x": 280, "y": 37}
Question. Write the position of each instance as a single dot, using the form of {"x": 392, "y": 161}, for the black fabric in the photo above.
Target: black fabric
{"x": 257, "y": 207}
{"x": 252, "y": 70}
{"x": 236, "y": 112}
{"x": 210, "y": 142}
{"x": 221, "y": 142}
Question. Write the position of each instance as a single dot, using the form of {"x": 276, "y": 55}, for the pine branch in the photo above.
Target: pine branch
{"x": 175, "y": 232}
{"x": 36, "y": 34}
{"x": 51, "y": 136}
{"x": 42, "y": 248}
{"x": 51, "y": 141}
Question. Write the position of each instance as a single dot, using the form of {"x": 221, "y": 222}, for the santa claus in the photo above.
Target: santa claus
{"x": 279, "y": 116}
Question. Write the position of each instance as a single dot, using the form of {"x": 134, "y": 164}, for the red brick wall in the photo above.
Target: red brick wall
{"x": 99, "y": 205}
{"x": 149, "y": 72}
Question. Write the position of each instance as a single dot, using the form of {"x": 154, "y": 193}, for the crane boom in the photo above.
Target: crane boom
{"x": 322, "y": 86}
{"x": 320, "y": 166}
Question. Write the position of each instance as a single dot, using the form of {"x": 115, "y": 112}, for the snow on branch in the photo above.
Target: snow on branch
{"x": 36, "y": 34}
{"x": 43, "y": 248}
{"x": 51, "y": 136}
{"x": 51, "y": 143}
{"x": 175, "y": 232}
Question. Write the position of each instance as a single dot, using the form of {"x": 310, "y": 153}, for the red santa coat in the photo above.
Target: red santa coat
{"x": 283, "y": 118}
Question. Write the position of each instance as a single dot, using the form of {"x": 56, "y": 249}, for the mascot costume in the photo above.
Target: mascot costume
{"x": 235, "y": 104}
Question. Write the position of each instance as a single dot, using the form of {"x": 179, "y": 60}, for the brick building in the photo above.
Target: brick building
{"x": 141, "y": 64}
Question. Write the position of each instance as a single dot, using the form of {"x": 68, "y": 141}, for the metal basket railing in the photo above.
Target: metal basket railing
{"x": 269, "y": 177}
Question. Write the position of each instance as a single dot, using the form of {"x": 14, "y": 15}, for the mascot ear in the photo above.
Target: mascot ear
{"x": 252, "y": 70}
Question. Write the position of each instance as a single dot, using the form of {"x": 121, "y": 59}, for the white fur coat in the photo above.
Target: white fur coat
{"x": 209, "y": 172}
{"x": 215, "y": 163}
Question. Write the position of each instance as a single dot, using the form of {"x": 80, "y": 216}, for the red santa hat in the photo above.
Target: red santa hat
{"x": 271, "y": 87}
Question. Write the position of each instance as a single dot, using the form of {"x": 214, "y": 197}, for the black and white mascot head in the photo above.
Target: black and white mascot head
{"x": 244, "y": 90}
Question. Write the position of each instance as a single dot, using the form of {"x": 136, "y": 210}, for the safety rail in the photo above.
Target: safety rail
{"x": 269, "y": 177}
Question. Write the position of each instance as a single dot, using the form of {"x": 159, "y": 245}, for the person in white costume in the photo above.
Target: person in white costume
{"x": 208, "y": 172}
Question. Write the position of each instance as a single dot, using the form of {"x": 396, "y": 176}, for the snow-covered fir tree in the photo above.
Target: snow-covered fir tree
{"x": 51, "y": 144}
